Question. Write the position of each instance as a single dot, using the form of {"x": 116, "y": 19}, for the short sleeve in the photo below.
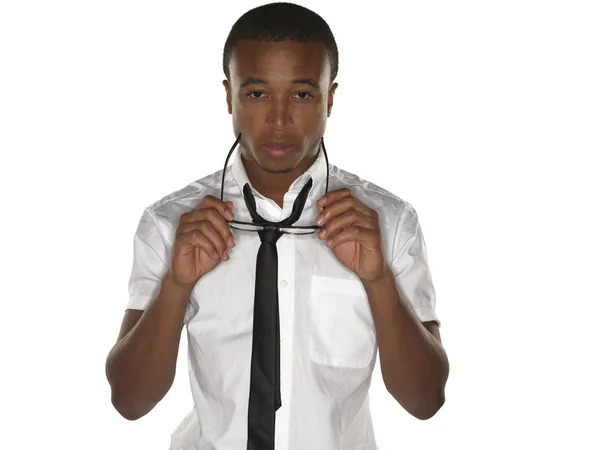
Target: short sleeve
{"x": 410, "y": 266}
{"x": 149, "y": 262}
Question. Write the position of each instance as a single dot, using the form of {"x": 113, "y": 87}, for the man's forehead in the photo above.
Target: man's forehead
{"x": 286, "y": 58}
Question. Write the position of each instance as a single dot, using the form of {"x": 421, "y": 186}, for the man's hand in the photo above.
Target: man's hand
{"x": 201, "y": 240}
{"x": 353, "y": 234}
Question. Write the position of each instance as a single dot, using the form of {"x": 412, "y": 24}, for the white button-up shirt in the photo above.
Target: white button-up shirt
{"x": 328, "y": 345}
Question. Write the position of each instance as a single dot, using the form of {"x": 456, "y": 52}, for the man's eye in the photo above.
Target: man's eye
{"x": 304, "y": 95}
{"x": 254, "y": 94}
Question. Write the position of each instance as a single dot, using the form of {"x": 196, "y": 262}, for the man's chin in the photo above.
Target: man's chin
{"x": 270, "y": 164}
{"x": 277, "y": 170}
{"x": 275, "y": 165}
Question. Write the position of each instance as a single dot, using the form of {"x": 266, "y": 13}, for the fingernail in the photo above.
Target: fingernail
{"x": 229, "y": 214}
{"x": 216, "y": 254}
{"x": 320, "y": 220}
{"x": 225, "y": 255}
{"x": 231, "y": 242}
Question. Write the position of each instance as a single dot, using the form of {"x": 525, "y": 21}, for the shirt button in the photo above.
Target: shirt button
{"x": 284, "y": 283}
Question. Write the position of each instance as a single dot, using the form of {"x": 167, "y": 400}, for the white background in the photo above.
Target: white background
{"x": 483, "y": 115}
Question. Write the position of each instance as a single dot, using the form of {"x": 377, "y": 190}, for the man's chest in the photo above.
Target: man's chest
{"x": 323, "y": 309}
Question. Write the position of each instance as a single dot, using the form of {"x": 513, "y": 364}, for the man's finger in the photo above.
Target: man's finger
{"x": 350, "y": 218}
{"x": 342, "y": 205}
{"x": 224, "y": 208}
{"x": 332, "y": 196}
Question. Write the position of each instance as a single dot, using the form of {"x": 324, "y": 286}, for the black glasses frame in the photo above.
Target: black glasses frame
{"x": 302, "y": 229}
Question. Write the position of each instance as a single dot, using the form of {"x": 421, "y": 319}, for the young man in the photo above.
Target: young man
{"x": 283, "y": 328}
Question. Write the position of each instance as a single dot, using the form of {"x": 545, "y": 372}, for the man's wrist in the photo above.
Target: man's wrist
{"x": 170, "y": 284}
{"x": 386, "y": 277}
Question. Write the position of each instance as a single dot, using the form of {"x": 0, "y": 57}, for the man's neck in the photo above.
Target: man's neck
{"x": 274, "y": 185}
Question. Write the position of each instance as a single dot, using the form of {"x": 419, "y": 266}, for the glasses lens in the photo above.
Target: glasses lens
{"x": 245, "y": 227}
{"x": 297, "y": 231}
{"x": 256, "y": 228}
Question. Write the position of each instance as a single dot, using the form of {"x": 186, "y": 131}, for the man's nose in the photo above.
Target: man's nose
{"x": 279, "y": 116}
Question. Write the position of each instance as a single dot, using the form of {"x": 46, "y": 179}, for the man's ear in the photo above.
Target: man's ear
{"x": 228, "y": 95}
{"x": 330, "y": 98}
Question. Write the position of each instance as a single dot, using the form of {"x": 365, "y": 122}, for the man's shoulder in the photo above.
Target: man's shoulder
{"x": 171, "y": 206}
{"x": 371, "y": 194}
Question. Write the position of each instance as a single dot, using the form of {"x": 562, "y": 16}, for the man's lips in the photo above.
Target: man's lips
{"x": 278, "y": 150}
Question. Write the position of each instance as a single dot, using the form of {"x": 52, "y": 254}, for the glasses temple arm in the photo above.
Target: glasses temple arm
{"x": 227, "y": 160}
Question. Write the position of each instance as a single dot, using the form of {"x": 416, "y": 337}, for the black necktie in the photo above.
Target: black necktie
{"x": 265, "y": 393}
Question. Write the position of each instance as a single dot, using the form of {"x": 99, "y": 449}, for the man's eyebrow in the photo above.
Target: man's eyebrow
{"x": 252, "y": 80}
{"x": 256, "y": 80}
{"x": 308, "y": 81}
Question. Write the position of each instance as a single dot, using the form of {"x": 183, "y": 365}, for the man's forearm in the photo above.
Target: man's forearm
{"x": 414, "y": 365}
{"x": 141, "y": 366}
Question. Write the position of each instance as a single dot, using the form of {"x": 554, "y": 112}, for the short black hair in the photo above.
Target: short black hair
{"x": 281, "y": 21}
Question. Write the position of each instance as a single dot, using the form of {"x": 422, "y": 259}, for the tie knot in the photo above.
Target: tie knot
{"x": 269, "y": 235}
{"x": 296, "y": 210}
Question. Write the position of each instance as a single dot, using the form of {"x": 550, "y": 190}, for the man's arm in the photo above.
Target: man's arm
{"x": 141, "y": 366}
{"x": 414, "y": 364}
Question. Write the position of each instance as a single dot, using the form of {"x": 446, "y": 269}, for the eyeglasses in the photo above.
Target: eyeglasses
{"x": 260, "y": 226}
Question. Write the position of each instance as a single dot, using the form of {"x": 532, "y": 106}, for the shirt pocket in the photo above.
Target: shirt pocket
{"x": 341, "y": 328}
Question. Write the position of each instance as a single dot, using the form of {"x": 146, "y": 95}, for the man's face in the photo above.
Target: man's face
{"x": 279, "y": 97}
